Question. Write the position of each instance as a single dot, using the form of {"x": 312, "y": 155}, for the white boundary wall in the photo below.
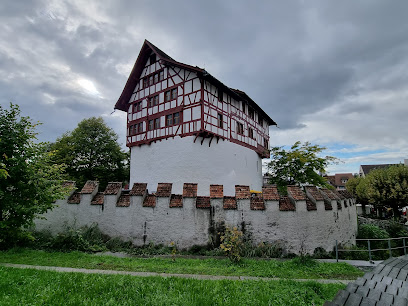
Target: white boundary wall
{"x": 299, "y": 231}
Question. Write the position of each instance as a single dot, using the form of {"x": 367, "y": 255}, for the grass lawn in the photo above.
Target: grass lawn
{"x": 290, "y": 269}
{"x": 34, "y": 287}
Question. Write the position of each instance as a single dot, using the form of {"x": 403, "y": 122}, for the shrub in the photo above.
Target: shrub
{"x": 232, "y": 243}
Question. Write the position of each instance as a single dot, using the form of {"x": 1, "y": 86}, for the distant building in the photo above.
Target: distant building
{"x": 366, "y": 169}
{"x": 339, "y": 180}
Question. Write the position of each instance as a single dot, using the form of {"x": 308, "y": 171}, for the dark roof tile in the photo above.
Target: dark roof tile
{"x": 286, "y": 205}
{"x": 176, "y": 200}
{"x": 257, "y": 203}
{"x": 203, "y": 202}
{"x": 164, "y": 190}
{"x": 230, "y": 202}
{"x": 149, "y": 201}
{"x": 270, "y": 193}
{"x": 113, "y": 188}
{"x": 190, "y": 190}
{"x": 138, "y": 189}
{"x": 89, "y": 187}
{"x": 98, "y": 199}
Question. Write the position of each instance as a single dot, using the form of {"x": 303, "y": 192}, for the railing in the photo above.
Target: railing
{"x": 371, "y": 250}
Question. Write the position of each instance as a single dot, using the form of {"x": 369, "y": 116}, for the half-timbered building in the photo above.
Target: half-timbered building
{"x": 184, "y": 125}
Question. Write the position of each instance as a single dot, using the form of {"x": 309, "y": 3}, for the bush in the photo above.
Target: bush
{"x": 232, "y": 243}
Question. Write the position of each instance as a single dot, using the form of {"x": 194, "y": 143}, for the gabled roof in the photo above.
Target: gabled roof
{"x": 147, "y": 48}
{"x": 367, "y": 168}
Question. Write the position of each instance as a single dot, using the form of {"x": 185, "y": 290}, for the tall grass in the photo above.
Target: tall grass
{"x": 33, "y": 287}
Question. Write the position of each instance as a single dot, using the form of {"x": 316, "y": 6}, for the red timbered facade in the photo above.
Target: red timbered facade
{"x": 165, "y": 98}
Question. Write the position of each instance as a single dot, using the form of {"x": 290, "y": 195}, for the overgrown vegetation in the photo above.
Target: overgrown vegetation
{"x": 291, "y": 269}
{"x": 31, "y": 287}
{"x": 29, "y": 182}
{"x": 379, "y": 248}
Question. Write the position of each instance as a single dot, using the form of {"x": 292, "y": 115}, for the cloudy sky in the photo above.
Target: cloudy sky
{"x": 334, "y": 73}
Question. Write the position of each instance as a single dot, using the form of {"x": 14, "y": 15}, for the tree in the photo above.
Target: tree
{"x": 29, "y": 183}
{"x": 91, "y": 152}
{"x": 357, "y": 186}
{"x": 299, "y": 165}
{"x": 388, "y": 187}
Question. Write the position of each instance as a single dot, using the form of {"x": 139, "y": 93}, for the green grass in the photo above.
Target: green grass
{"x": 290, "y": 269}
{"x": 34, "y": 287}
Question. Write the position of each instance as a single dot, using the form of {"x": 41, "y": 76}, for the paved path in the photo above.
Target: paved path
{"x": 147, "y": 274}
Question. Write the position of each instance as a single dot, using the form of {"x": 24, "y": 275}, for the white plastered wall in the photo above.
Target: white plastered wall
{"x": 181, "y": 160}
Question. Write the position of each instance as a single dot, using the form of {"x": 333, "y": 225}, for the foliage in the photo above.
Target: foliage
{"x": 299, "y": 165}
{"x": 386, "y": 187}
{"x": 232, "y": 243}
{"x": 29, "y": 183}
{"x": 31, "y": 287}
{"x": 91, "y": 152}
{"x": 289, "y": 269}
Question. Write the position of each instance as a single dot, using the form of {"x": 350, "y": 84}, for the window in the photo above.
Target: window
{"x": 152, "y": 58}
{"x": 173, "y": 119}
{"x": 161, "y": 75}
{"x": 250, "y": 133}
{"x": 157, "y": 123}
{"x": 153, "y": 101}
{"x": 240, "y": 128}
{"x": 260, "y": 120}
{"x": 145, "y": 82}
{"x": 243, "y": 107}
{"x": 266, "y": 143}
{"x": 150, "y": 125}
{"x": 132, "y": 130}
{"x": 156, "y": 78}
{"x": 151, "y": 80}
{"x": 170, "y": 95}
{"x": 220, "y": 94}
{"x": 137, "y": 107}
{"x": 174, "y": 93}
{"x": 250, "y": 113}
{"x": 220, "y": 121}
{"x": 176, "y": 118}
{"x": 140, "y": 127}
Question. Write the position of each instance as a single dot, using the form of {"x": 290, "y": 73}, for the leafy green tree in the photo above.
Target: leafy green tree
{"x": 388, "y": 187}
{"x": 299, "y": 165}
{"x": 91, "y": 152}
{"x": 29, "y": 183}
{"x": 357, "y": 186}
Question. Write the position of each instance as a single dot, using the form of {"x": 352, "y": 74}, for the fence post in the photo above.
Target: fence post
{"x": 389, "y": 246}
{"x": 337, "y": 253}
{"x": 369, "y": 249}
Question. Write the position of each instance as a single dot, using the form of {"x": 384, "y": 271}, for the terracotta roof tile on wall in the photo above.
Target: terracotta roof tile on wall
{"x": 138, "y": 189}
{"x": 113, "y": 188}
{"x": 338, "y": 194}
{"x": 75, "y": 198}
{"x": 98, "y": 199}
{"x": 68, "y": 184}
{"x": 310, "y": 205}
{"x": 270, "y": 193}
{"x": 164, "y": 190}
{"x": 329, "y": 194}
{"x": 346, "y": 194}
{"x": 150, "y": 201}
{"x": 286, "y": 205}
{"x": 176, "y": 200}
{"x": 314, "y": 192}
{"x": 296, "y": 193}
{"x": 203, "y": 202}
{"x": 124, "y": 201}
{"x": 89, "y": 187}
{"x": 216, "y": 191}
{"x": 190, "y": 190}
{"x": 230, "y": 202}
{"x": 242, "y": 192}
{"x": 257, "y": 203}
